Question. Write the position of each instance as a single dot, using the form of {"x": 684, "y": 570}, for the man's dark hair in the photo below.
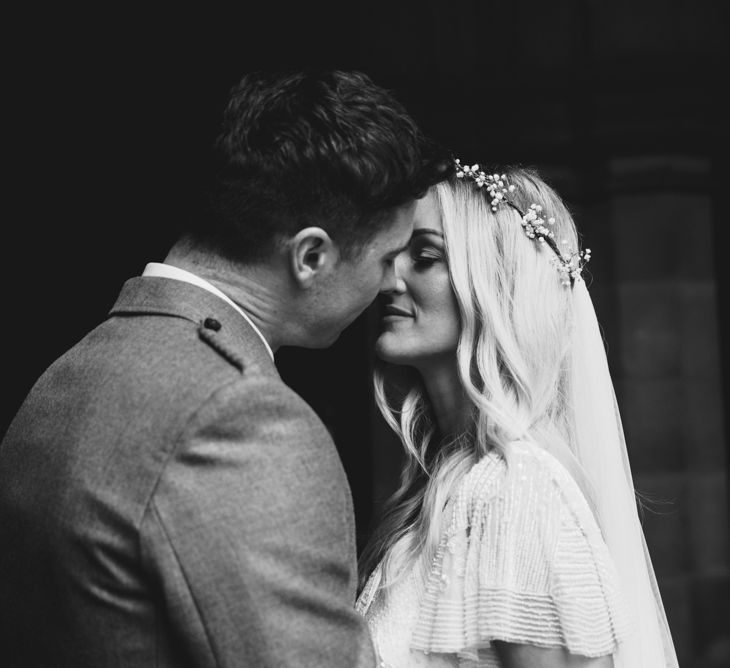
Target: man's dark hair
{"x": 328, "y": 149}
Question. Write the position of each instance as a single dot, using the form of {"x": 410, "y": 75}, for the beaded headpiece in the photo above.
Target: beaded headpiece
{"x": 535, "y": 224}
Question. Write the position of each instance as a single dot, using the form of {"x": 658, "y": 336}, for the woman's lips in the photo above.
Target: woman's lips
{"x": 393, "y": 312}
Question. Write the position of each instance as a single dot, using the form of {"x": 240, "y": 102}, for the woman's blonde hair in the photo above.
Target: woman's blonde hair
{"x": 512, "y": 356}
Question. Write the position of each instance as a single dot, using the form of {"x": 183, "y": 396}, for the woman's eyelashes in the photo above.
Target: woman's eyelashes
{"x": 424, "y": 256}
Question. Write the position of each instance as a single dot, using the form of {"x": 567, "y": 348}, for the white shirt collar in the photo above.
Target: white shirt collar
{"x": 160, "y": 270}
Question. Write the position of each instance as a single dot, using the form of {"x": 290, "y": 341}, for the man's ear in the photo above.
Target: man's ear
{"x": 312, "y": 254}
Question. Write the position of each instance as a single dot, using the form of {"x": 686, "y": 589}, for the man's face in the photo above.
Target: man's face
{"x": 355, "y": 282}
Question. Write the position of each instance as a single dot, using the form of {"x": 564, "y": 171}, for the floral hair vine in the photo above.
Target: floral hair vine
{"x": 535, "y": 224}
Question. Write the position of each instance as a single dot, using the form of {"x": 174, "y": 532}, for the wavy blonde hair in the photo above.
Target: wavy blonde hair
{"x": 512, "y": 354}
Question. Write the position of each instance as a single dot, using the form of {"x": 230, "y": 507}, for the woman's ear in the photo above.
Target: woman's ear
{"x": 312, "y": 254}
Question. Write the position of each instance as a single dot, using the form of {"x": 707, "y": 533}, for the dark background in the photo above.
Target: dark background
{"x": 620, "y": 105}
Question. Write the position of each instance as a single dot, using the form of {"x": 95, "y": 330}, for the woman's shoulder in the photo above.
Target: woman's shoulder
{"x": 523, "y": 561}
{"x": 525, "y": 488}
{"x": 524, "y": 466}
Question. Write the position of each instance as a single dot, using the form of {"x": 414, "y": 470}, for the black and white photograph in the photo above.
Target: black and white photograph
{"x": 366, "y": 335}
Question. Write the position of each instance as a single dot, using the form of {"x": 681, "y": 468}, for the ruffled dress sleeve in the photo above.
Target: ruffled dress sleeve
{"x": 522, "y": 560}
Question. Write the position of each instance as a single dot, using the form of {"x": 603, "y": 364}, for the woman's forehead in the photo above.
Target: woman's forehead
{"x": 428, "y": 214}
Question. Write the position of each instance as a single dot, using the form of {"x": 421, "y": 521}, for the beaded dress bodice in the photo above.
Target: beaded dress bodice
{"x": 521, "y": 559}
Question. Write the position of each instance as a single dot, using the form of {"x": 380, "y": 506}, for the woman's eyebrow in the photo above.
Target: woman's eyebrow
{"x": 426, "y": 230}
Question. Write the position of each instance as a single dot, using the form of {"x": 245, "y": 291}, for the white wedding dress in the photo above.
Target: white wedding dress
{"x": 521, "y": 556}
{"x": 521, "y": 559}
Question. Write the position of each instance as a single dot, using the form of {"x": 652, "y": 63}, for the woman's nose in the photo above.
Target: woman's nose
{"x": 394, "y": 283}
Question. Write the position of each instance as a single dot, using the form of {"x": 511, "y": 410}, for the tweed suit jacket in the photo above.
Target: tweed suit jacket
{"x": 166, "y": 500}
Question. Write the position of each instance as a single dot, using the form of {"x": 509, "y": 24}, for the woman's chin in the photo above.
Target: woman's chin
{"x": 389, "y": 349}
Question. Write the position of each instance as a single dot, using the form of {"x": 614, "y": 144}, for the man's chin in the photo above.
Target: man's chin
{"x": 321, "y": 341}
{"x": 330, "y": 341}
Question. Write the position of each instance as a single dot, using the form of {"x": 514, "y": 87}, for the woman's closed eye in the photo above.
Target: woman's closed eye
{"x": 426, "y": 256}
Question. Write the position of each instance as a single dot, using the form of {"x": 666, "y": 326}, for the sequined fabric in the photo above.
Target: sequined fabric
{"x": 521, "y": 559}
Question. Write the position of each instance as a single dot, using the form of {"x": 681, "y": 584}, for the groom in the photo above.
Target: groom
{"x": 165, "y": 500}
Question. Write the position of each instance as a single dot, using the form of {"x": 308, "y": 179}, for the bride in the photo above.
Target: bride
{"x": 514, "y": 538}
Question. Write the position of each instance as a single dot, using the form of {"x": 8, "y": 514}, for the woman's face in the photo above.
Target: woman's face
{"x": 420, "y": 324}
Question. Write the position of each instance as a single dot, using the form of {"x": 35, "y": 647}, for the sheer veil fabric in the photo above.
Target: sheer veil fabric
{"x": 600, "y": 449}
{"x": 598, "y": 464}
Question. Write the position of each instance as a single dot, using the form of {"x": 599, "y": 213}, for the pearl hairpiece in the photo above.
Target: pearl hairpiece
{"x": 536, "y": 226}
